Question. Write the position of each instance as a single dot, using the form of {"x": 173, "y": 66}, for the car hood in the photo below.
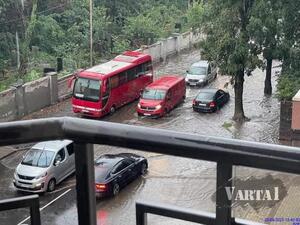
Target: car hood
{"x": 190, "y": 76}
{"x": 31, "y": 171}
{"x": 150, "y": 102}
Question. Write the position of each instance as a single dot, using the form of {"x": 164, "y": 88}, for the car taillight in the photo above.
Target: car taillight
{"x": 212, "y": 104}
{"x": 194, "y": 102}
{"x": 101, "y": 187}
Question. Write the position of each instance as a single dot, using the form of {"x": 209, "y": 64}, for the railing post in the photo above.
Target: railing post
{"x": 85, "y": 184}
{"x": 223, "y": 203}
{"x": 141, "y": 215}
{"x": 35, "y": 212}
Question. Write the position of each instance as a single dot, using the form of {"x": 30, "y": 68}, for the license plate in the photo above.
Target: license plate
{"x": 85, "y": 110}
{"x": 147, "y": 114}
{"x": 193, "y": 84}
{"x": 201, "y": 104}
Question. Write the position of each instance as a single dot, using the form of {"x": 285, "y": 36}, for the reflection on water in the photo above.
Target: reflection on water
{"x": 102, "y": 217}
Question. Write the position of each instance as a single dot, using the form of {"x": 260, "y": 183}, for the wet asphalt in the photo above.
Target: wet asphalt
{"x": 182, "y": 182}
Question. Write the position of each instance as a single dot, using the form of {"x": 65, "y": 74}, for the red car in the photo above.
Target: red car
{"x": 161, "y": 96}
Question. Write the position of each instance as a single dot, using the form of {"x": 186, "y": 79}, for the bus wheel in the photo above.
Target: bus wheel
{"x": 112, "y": 110}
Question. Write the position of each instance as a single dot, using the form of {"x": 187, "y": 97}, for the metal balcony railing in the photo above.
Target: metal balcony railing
{"x": 225, "y": 152}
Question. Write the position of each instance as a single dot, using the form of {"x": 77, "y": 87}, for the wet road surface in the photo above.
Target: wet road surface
{"x": 178, "y": 181}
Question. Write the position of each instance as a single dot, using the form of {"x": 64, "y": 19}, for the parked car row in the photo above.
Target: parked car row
{"x": 48, "y": 163}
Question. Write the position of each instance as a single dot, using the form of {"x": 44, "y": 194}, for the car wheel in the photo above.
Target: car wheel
{"x": 51, "y": 185}
{"x": 112, "y": 110}
{"x": 116, "y": 189}
{"x": 144, "y": 169}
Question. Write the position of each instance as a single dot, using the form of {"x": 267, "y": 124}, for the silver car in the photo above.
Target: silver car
{"x": 45, "y": 165}
{"x": 200, "y": 73}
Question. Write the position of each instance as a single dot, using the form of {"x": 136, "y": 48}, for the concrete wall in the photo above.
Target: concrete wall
{"x": 36, "y": 95}
{"x": 8, "y": 105}
{"x": 64, "y": 91}
{"x": 27, "y": 98}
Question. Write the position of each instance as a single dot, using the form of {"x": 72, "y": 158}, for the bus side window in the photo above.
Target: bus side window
{"x": 114, "y": 81}
{"x": 132, "y": 74}
{"x": 140, "y": 70}
{"x": 122, "y": 78}
{"x": 148, "y": 67}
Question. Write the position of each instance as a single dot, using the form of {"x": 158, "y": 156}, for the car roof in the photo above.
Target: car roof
{"x": 54, "y": 146}
{"x": 201, "y": 63}
{"x": 165, "y": 82}
{"x": 113, "y": 159}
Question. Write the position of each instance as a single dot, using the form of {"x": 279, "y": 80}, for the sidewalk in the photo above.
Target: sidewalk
{"x": 6, "y": 151}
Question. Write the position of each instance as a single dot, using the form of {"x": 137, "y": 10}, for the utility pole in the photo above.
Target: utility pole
{"x": 18, "y": 50}
{"x": 91, "y": 32}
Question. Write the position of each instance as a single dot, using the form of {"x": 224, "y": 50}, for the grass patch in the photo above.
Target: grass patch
{"x": 227, "y": 125}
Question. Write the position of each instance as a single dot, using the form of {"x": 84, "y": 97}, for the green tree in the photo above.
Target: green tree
{"x": 195, "y": 16}
{"x": 266, "y": 32}
{"x": 289, "y": 81}
{"x": 228, "y": 43}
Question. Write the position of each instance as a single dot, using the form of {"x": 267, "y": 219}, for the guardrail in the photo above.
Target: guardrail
{"x": 225, "y": 152}
{"x": 31, "y": 202}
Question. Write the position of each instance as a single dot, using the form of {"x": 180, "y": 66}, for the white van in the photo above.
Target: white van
{"x": 201, "y": 73}
{"x": 45, "y": 165}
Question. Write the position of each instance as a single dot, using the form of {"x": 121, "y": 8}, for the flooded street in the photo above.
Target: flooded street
{"x": 177, "y": 181}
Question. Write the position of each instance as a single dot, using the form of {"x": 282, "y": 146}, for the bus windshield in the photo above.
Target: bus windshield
{"x": 87, "y": 89}
{"x": 154, "y": 94}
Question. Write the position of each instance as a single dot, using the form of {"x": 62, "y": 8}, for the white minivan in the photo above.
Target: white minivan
{"x": 45, "y": 165}
{"x": 201, "y": 73}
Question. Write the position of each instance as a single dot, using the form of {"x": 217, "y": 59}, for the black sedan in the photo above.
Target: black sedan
{"x": 113, "y": 172}
{"x": 210, "y": 100}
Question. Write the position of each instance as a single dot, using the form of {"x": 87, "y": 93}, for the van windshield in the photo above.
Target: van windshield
{"x": 87, "y": 89}
{"x": 195, "y": 70}
{"x": 154, "y": 94}
{"x": 38, "y": 158}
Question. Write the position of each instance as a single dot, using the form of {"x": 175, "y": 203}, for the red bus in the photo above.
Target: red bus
{"x": 102, "y": 89}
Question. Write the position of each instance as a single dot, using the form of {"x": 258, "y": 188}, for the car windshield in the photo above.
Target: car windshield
{"x": 38, "y": 158}
{"x": 205, "y": 96}
{"x": 154, "y": 94}
{"x": 195, "y": 70}
{"x": 87, "y": 89}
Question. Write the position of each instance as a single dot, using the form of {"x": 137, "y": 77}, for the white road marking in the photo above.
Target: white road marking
{"x": 22, "y": 222}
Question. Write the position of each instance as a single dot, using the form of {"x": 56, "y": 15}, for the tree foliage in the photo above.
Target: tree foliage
{"x": 228, "y": 43}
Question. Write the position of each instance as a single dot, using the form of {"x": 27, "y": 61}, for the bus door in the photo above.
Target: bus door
{"x": 105, "y": 93}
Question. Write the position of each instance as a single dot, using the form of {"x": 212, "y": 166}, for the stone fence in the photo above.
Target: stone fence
{"x": 21, "y": 100}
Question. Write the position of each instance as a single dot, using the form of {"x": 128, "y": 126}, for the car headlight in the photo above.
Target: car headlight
{"x": 139, "y": 105}
{"x": 41, "y": 176}
{"x": 201, "y": 80}
{"x": 158, "y": 107}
